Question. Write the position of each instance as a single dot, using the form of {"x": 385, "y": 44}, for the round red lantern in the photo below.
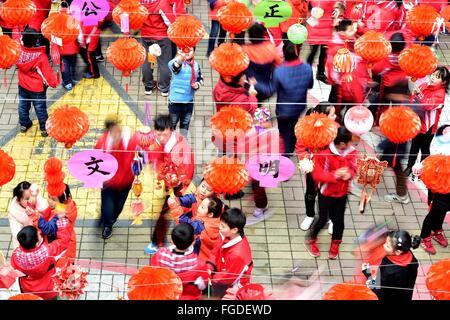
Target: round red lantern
{"x": 25, "y": 296}
{"x": 436, "y": 173}
{"x": 186, "y": 32}
{"x": 445, "y": 14}
{"x": 235, "y": 17}
{"x": 230, "y": 123}
{"x": 344, "y": 62}
{"x": 54, "y": 177}
{"x": 126, "y": 54}
{"x": 417, "y": 61}
{"x": 61, "y": 25}
{"x": 137, "y": 13}
{"x": 9, "y": 52}
{"x": 316, "y": 131}
{"x": 421, "y": 20}
{"x": 18, "y": 12}
{"x": 349, "y": 291}
{"x": 67, "y": 124}
{"x": 358, "y": 120}
{"x": 400, "y": 124}
{"x": 229, "y": 59}
{"x": 7, "y": 168}
{"x": 372, "y": 47}
{"x": 226, "y": 175}
{"x": 438, "y": 280}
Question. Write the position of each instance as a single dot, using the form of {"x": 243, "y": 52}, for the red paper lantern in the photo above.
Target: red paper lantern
{"x": 316, "y": 131}
{"x": 226, "y": 175}
{"x": 61, "y": 25}
{"x": 251, "y": 291}
{"x": 67, "y": 124}
{"x": 54, "y": 177}
{"x": 344, "y": 62}
{"x": 421, "y": 20}
{"x": 445, "y": 13}
{"x": 25, "y": 296}
{"x": 154, "y": 283}
{"x": 372, "y": 47}
{"x": 229, "y": 59}
{"x": 417, "y": 61}
{"x": 137, "y": 13}
{"x": 9, "y": 52}
{"x": 438, "y": 280}
{"x": 171, "y": 174}
{"x": 18, "y": 12}
{"x": 69, "y": 281}
{"x": 230, "y": 123}
{"x": 436, "y": 173}
{"x": 235, "y": 17}
{"x": 349, "y": 291}
{"x": 126, "y": 54}
{"x": 400, "y": 124}
{"x": 186, "y": 32}
{"x": 7, "y": 168}
{"x": 358, "y": 120}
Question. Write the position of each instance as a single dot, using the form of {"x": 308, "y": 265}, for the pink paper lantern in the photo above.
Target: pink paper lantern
{"x": 358, "y": 120}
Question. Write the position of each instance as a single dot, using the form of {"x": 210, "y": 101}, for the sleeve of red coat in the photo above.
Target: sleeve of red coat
{"x": 434, "y": 101}
{"x": 235, "y": 265}
{"x": 61, "y": 243}
{"x": 47, "y": 72}
{"x": 353, "y": 164}
{"x": 319, "y": 173}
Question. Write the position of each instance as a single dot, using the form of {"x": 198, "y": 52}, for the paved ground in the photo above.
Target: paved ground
{"x": 277, "y": 242}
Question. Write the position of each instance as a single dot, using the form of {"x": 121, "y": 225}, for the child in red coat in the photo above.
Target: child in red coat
{"x": 69, "y": 54}
{"x": 88, "y": 40}
{"x": 334, "y": 168}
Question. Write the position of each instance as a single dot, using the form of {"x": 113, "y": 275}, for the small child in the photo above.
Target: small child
{"x": 186, "y": 80}
{"x": 69, "y": 59}
{"x": 334, "y": 168}
{"x": 88, "y": 40}
{"x": 184, "y": 262}
{"x": 231, "y": 261}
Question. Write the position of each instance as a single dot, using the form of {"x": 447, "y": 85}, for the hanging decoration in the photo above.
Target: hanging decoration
{"x": 229, "y": 60}
{"x": 231, "y": 123}
{"x": 89, "y": 13}
{"x": 262, "y": 118}
{"x": 235, "y": 17}
{"x": 349, "y": 291}
{"x": 7, "y": 168}
{"x": 358, "y": 120}
{"x": 186, "y": 32}
{"x": 154, "y": 283}
{"x": 226, "y": 175}
{"x": 70, "y": 281}
{"x": 17, "y": 12}
{"x": 137, "y": 13}
{"x": 372, "y": 46}
{"x": 417, "y": 61}
{"x": 438, "y": 280}
{"x": 9, "y": 52}
{"x": 270, "y": 170}
{"x": 54, "y": 176}
{"x": 272, "y": 12}
{"x": 316, "y": 131}
{"x": 297, "y": 33}
{"x": 251, "y": 291}
{"x": 421, "y": 20}
{"x": 369, "y": 173}
{"x": 171, "y": 174}
{"x": 400, "y": 124}
{"x": 154, "y": 51}
{"x": 445, "y": 14}
{"x": 25, "y": 296}
{"x": 137, "y": 207}
{"x": 436, "y": 173}
{"x": 344, "y": 63}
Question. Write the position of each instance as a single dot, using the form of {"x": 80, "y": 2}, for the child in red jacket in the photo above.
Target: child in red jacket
{"x": 88, "y": 40}
{"x": 181, "y": 259}
{"x": 35, "y": 75}
{"x": 69, "y": 54}
{"x": 334, "y": 168}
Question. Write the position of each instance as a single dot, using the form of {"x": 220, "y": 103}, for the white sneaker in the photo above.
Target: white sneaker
{"x": 306, "y": 224}
{"x": 393, "y": 197}
{"x": 259, "y": 212}
{"x": 330, "y": 227}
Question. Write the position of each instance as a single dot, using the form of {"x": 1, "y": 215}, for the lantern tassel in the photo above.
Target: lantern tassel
{"x": 394, "y": 161}
{"x": 126, "y": 87}
{"x": 5, "y": 80}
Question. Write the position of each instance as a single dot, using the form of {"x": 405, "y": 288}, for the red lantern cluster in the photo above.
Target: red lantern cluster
{"x": 17, "y": 12}
{"x": 316, "y": 131}
{"x": 54, "y": 177}
{"x": 126, "y": 54}
{"x": 70, "y": 281}
{"x": 421, "y": 20}
{"x": 417, "y": 61}
{"x": 226, "y": 175}
{"x": 229, "y": 59}
{"x": 186, "y": 32}
{"x": 235, "y": 17}
{"x": 171, "y": 174}
{"x": 7, "y": 168}
{"x": 9, "y": 52}
{"x": 67, "y": 124}
{"x": 400, "y": 124}
{"x": 137, "y": 13}
{"x": 436, "y": 173}
{"x": 372, "y": 47}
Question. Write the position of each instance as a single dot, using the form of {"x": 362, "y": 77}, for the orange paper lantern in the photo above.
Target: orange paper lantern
{"x": 229, "y": 59}
{"x": 349, "y": 291}
{"x": 226, "y": 175}
{"x": 137, "y": 13}
{"x": 61, "y": 25}
{"x": 316, "y": 131}
{"x": 235, "y": 17}
{"x": 18, "y": 12}
{"x": 231, "y": 122}
{"x": 400, "y": 124}
{"x": 372, "y": 47}
{"x": 186, "y": 32}
{"x": 67, "y": 124}
{"x": 154, "y": 283}
{"x": 344, "y": 62}
{"x": 445, "y": 14}
{"x": 7, "y": 168}
{"x": 9, "y": 52}
{"x": 126, "y": 54}
{"x": 417, "y": 61}
{"x": 25, "y": 296}
{"x": 421, "y": 20}
{"x": 438, "y": 280}
{"x": 54, "y": 177}
{"x": 436, "y": 173}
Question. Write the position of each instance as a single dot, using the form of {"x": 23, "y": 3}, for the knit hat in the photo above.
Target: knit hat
{"x": 54, "y": 177}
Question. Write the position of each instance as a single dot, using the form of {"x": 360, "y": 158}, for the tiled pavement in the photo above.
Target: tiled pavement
{"x": 277, "y": 243}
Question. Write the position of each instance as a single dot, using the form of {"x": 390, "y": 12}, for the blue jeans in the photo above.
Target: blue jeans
{"x": 113, "y": 201}
{"x": 216, "y": 29}
{"x": 70, "y": 65}
{"x": 181, "y": 112}
{"x": 39, "y": 101}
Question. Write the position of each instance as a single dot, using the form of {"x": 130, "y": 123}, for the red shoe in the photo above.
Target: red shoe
{"x": 334, "y": 249}
{"x": 312, "y": 247}
{"x": 439, "y": 236}
{"x": 427, "y": 245}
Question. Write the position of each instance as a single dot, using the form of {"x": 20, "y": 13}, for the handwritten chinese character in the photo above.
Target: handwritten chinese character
{"x": 88, "y": 11}
{"x": 272, "y": 166}
{"x": 96, "y": 166}
{"x": 272, "y": 12}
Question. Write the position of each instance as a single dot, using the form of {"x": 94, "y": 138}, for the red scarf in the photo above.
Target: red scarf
{"x": 402, "y": 260}
{"x": 193, "y": 76}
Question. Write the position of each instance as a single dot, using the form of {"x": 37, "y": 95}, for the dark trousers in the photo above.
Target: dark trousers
{"x": 70, "y": 65}
{"x": 286, "y": 128}
{"x": 217, "y": 33}
{"x": 105, "y": 25}
{"x": 260, "y": 195}
{"x": 39, "y": 101}
{"x": 393, "y": 151}
{"x": 310, "y": 195}
{"x": 435, "y": 218}
{"x": 322, "y": 57}
{"x": 91, "y": 62}
{"x": 162, "y": 60}
{"x": 421, "y": 142}
{"x": 333, "y": 209}
{"x": 113, "y": 201}
{"x": 181, "y": 112}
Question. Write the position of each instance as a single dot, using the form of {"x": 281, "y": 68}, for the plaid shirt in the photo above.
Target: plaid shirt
{"x": 31, "y": 259}
{"x": 178, "y": 262}
{"x": 62, "y": 223}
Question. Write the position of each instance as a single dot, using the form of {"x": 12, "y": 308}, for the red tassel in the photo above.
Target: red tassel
{"x": 394, "y": 161}
{"x": 58, "y": 76}
{"x": 126, "y": 87}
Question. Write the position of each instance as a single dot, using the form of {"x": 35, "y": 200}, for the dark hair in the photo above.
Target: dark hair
{"x": 344, "y": 24}
{"x": 183, "y": 236}
{"x": 65, "y": 196}
{"x": 64, "y": 4}
{"x": 20, "y": 189}
{"x": 444, "y": 75}
{"x": 256, "y": 33}
{"x": 403, "y": 241}
{"x": 30, "y": 37}
{"x": 323, "y": 107}
{"x": 233, "y": 81}
{"x": 291, "y": 51}
{"x": 234, "y": 218}
{"x": 397, "y": 42}
{"x": 163, "y": 122}
{"x": 111, "y": 121}
{"x": 215, "y": 206}
{"x": 28, "y": 237}
{"x": 343, "y": 135}
{"x": 440, "y": 130}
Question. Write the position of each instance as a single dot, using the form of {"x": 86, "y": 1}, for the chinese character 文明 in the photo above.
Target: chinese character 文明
{"x": 88, "y": 11}
{"x": 96, "y": 166}
{"x": 266, "y": 168}
{"x": 272, "y": 12}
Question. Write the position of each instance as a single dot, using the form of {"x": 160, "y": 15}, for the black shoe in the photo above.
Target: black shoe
{"x": 99, "y": 58}
{"x": 107, "y": 233}
{"x": 24, "y": 129}
{"x": 44, "y": 133}
{"x": 237, "y": 195}
{"x": 408, "y": 171}
{"x": 322, "y": 77}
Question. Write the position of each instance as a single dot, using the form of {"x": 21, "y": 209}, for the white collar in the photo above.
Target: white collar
{"x": 171, "y": 143}
{"x": 343, "y": 154}
{"x": 189, "y": 251}
{"x": 126, "y": 136}
{"x": 232, "y": 242}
